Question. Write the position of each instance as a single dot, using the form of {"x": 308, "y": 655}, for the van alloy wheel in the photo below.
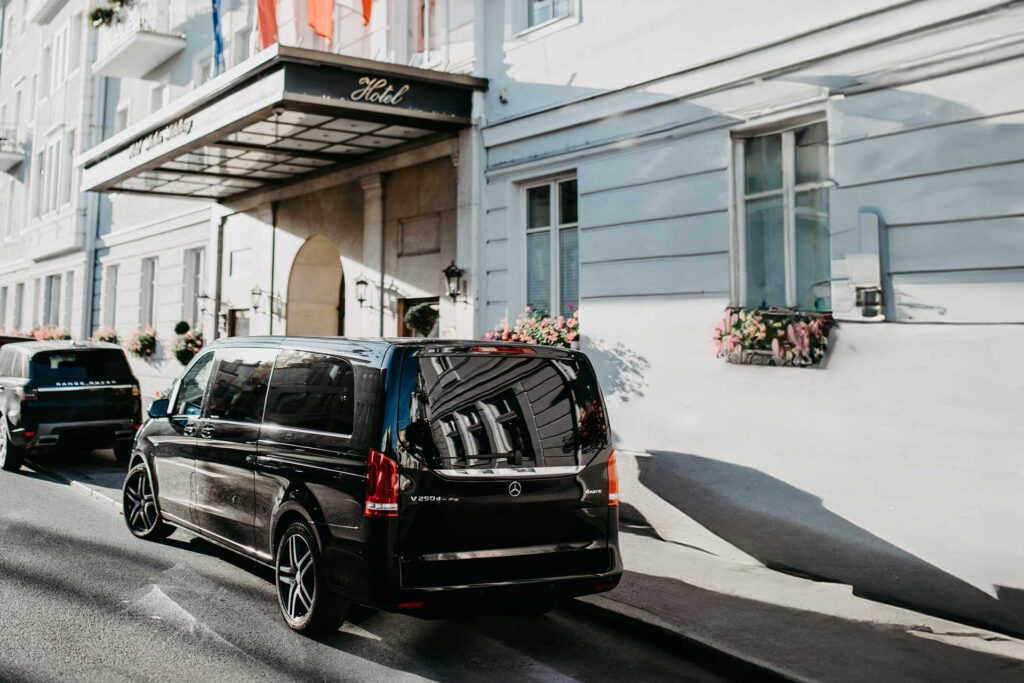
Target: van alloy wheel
{"x": 307, "y": 603}
{"x": 140, "y": 510}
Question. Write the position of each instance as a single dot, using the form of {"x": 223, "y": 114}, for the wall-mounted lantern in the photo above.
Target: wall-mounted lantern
{"x": 361, "y": 284}
{"x": 453, "y": 277}
{"x": 257, "y": 295}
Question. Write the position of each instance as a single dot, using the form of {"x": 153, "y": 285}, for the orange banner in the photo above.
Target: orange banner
{"x": 321, "y": 17}
{"x": 266, "y": 22}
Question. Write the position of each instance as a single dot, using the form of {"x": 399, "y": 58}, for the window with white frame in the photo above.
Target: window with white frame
{"x": 19, "y": 305}
{"x": 3, "y": 308}
{"x": 67, "y": 168}
{"x": 194, "y": 260}
{"x": 782, "y": 219}
{"x": 147, "y": 300}
{"x": 202, "y": 69}
{"x": 426, "y": 32}
{"x": 42, "y": 79}
{"x": 542, "y": 11}
{"x": 159, "y": 96}
{"x": 38, "y": 180}
{"x": 241, "y": 45}
{"x": 110, "y": 296}
{"x": 51, "y": 301}
{"x": 552, "y": 246}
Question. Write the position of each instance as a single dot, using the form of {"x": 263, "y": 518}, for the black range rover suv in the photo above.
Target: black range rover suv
{"x": 65, "y": 393}
{"x": 410, "y": 476}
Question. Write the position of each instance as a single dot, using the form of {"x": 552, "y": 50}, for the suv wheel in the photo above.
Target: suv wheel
{"x": 307, "y": 604}
{"x": 140, "y": 511}
{"x": 123, "y": 453}
{"x": 11, "y": 457}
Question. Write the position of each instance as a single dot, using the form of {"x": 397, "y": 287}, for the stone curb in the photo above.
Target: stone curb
{"x": 79, "y": 487}
{"x": 642, "y": 616}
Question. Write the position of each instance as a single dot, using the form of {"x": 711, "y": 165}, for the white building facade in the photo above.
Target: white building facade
{"x": 48, "y": 114}
{"x": 810, "y": 156}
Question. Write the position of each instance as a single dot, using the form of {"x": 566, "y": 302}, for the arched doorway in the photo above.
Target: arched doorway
{"x": 315, "y": 298}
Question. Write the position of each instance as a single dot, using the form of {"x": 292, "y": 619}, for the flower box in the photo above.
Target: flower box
{"x": 773, "y": 336}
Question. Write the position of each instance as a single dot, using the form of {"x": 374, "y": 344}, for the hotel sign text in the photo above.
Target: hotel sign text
{"x": 160, "y": 136}
{"x": 377, "y": 90}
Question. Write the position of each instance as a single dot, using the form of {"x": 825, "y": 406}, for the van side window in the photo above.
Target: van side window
{"x": 189, "y": 401}
{"x": 239, "y": 385}
{"x": 312, "y": 391}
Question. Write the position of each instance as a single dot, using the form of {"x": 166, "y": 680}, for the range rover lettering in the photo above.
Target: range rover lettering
{"x": 66, "y": 394}
{"x": 420, "y": 477}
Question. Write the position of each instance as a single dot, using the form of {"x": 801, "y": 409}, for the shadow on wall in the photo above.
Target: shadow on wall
{"x": 621, "y": 369}
{"x": 787, "y": 528}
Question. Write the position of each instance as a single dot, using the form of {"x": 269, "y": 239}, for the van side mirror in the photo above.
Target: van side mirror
{"x": 159, "y": 408}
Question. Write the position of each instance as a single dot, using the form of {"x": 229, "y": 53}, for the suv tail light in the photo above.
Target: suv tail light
{"x": 381, "y": 486}
{"x": 136, "y": 392}
{"x": 613, "y": 481}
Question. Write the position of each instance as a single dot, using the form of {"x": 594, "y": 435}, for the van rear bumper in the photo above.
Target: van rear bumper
{"x": 493, "y": 583}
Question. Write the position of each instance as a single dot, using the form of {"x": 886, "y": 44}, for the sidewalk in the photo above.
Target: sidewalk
{"x": 802, "y": 629}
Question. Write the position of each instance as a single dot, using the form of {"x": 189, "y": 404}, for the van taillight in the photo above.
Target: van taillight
{"x": 613, "y": 481}
{"x": 381, "y": 486}
{"x": 520, "y": 350}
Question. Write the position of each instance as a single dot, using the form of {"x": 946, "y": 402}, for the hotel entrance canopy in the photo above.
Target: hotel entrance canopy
{"x": 284, "y": 115}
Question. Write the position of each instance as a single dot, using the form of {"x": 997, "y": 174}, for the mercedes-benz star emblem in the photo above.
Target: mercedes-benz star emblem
{"x": 515, "y": 488}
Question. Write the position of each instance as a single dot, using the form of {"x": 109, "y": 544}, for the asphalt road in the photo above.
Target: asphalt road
{"x": 81, "y": 599}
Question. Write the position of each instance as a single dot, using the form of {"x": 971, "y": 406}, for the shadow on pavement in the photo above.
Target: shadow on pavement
{"x": 787, "y": 528}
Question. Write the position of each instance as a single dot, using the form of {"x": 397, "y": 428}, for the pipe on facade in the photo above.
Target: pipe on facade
{"x": 273, "y": 258}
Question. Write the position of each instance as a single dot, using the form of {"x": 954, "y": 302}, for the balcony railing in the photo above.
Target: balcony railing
{"x": 12, "y": 147}
{"x": 138, "y": 42}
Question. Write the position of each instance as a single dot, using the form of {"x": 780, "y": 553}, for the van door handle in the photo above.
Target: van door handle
{"x": 206, "y": 432}
{"x": 189, "y": 430}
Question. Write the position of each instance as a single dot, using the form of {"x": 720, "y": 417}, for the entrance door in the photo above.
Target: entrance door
{"x": 314, "y": 290}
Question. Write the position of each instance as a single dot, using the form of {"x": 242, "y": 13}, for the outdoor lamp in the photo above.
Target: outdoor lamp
{"x": 453, "y": 276}
{"x": 257, "y": 294}
{"x": 361, "y": 284}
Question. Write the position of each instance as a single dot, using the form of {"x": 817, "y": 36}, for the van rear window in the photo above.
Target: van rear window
{"x": 500, "y": 410}
{"x": 80, "y": 368}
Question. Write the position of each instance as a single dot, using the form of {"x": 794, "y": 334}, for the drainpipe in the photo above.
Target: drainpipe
{"x": 219, "y": 275}
{"x": 273, "y": 258}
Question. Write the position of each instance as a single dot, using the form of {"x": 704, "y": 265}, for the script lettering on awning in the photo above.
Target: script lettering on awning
{"x": 377, "y": 90}
{"x": 168, "y": 132}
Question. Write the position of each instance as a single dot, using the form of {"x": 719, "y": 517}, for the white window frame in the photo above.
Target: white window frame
{"x": 69, "y": 297}
{"x": 126, "y": 108}
{"x": 3, "y": 307}
{"x": 521, "y": 32}
{"x": 147, "y": 293}
{"x": 110, "y": 274}
{"x": 529, "y": 7}
{"x": 19, "y": 306}
{"x": 788, "y": 191}
{"x": 430, "y": 58}
{"x": 51, "y": 300}
{"x": 554, "y": 228}
{"x": 204, "y": 61}
{"x": 195, "y": 267}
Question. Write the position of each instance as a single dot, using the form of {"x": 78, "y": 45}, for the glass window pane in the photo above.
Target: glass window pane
{"x": 813, "y": 252}
{"x": 538, "y": 207}
{"x": 562, "y": 8}
{"x": 312, "y": 391}
{"x": 567, "y": 203}
{"x": 240, "y": 384}
{"x": 569, "y": 271}
{"x": 766, "y": 261}
{"x": 190, "y": 394}
{"x": 762, "y": 159}
{"x": 811, "y": 154}
{"x": 538, "y": 271}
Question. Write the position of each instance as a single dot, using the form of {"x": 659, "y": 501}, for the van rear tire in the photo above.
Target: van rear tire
{"x": 307, "y": 604}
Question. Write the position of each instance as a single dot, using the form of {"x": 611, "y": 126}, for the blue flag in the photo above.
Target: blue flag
{"x": 218, "y": 40}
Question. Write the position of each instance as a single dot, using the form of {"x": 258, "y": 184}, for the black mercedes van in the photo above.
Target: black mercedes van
{"x": 412, "y": 476}
{"x": 66, "y": 393}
